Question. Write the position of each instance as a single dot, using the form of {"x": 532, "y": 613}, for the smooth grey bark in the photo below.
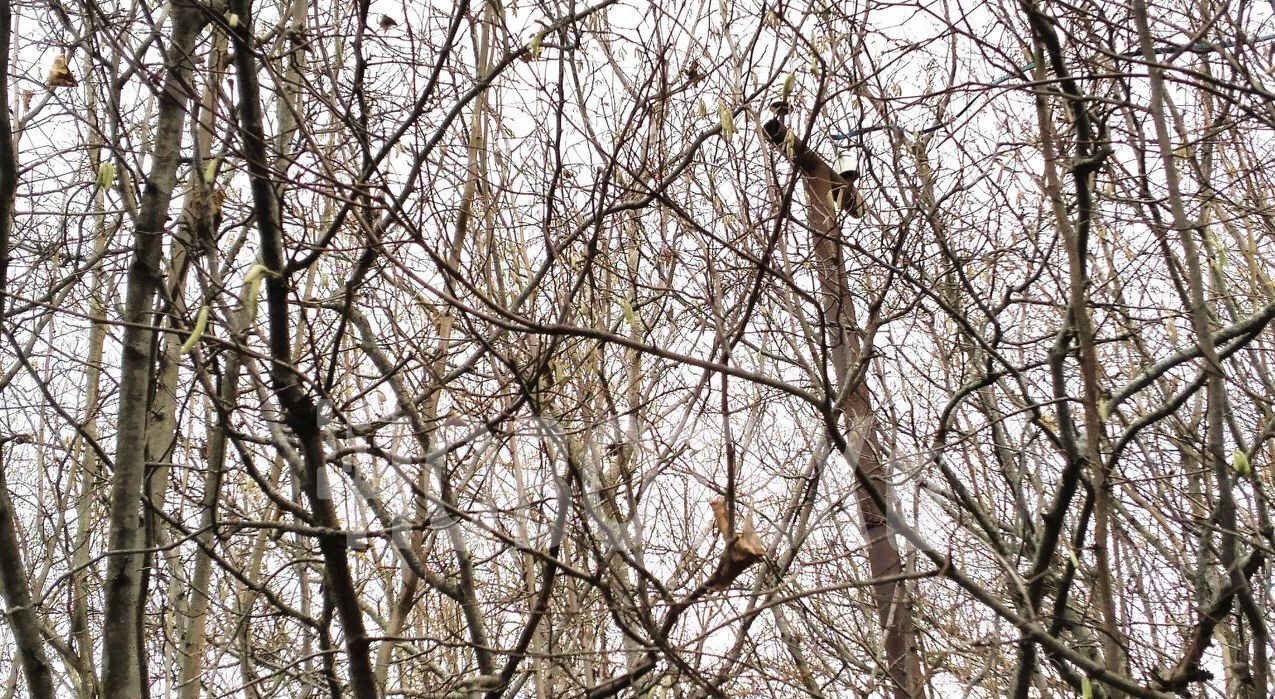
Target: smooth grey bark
{"x": 122, "y": 634}
{"x": 161, "y": 434}
{"x": 1236, "y": 569}
{"x": 190, "y": 664}
{"x": 89, "y": 466}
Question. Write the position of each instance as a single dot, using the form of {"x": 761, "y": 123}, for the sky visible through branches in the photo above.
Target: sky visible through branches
{"x": 705, "y": 349}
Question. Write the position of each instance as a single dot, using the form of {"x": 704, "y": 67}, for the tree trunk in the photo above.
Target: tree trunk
{"x": 13, "y": 576}
{"x": 826, "y": 192}
{"x": 17, "y": 597}
{"x": 122, "y": 635}
{"x": 300, "y": 412}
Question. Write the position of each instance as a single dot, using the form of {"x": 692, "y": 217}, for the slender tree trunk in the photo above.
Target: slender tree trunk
{"x": 14, "y": 584}
{"x": 1214, "y": 456}
{"x": 192, "y": 654}
{"x": 189, "y": 665}
{"x": 825, "y": 190}
{"x": 122, "y": 634}
{"x": 88, "y": 469}
{"x": 299, "y": 410}
{"x": 17, "y": 596}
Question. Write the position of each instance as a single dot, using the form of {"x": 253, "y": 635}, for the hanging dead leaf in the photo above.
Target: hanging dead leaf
{"x": 742, "y": 550}
{"x": 60, "y": 75}
{"x": 26, "y": 98}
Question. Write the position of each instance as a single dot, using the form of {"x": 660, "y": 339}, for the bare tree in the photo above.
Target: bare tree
{"x": 539, "y": 350}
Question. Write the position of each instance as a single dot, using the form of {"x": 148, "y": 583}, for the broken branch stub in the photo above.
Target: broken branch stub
{"x": 840, "y": 187}
{"x": 742, "y": 550}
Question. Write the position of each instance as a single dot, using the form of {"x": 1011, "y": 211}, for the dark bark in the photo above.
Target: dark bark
{"x": 17, "y": 594}
{"x": 122, "y": 631}
{"x": 13, "y": 577}
{"x": 299, "y": 410}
